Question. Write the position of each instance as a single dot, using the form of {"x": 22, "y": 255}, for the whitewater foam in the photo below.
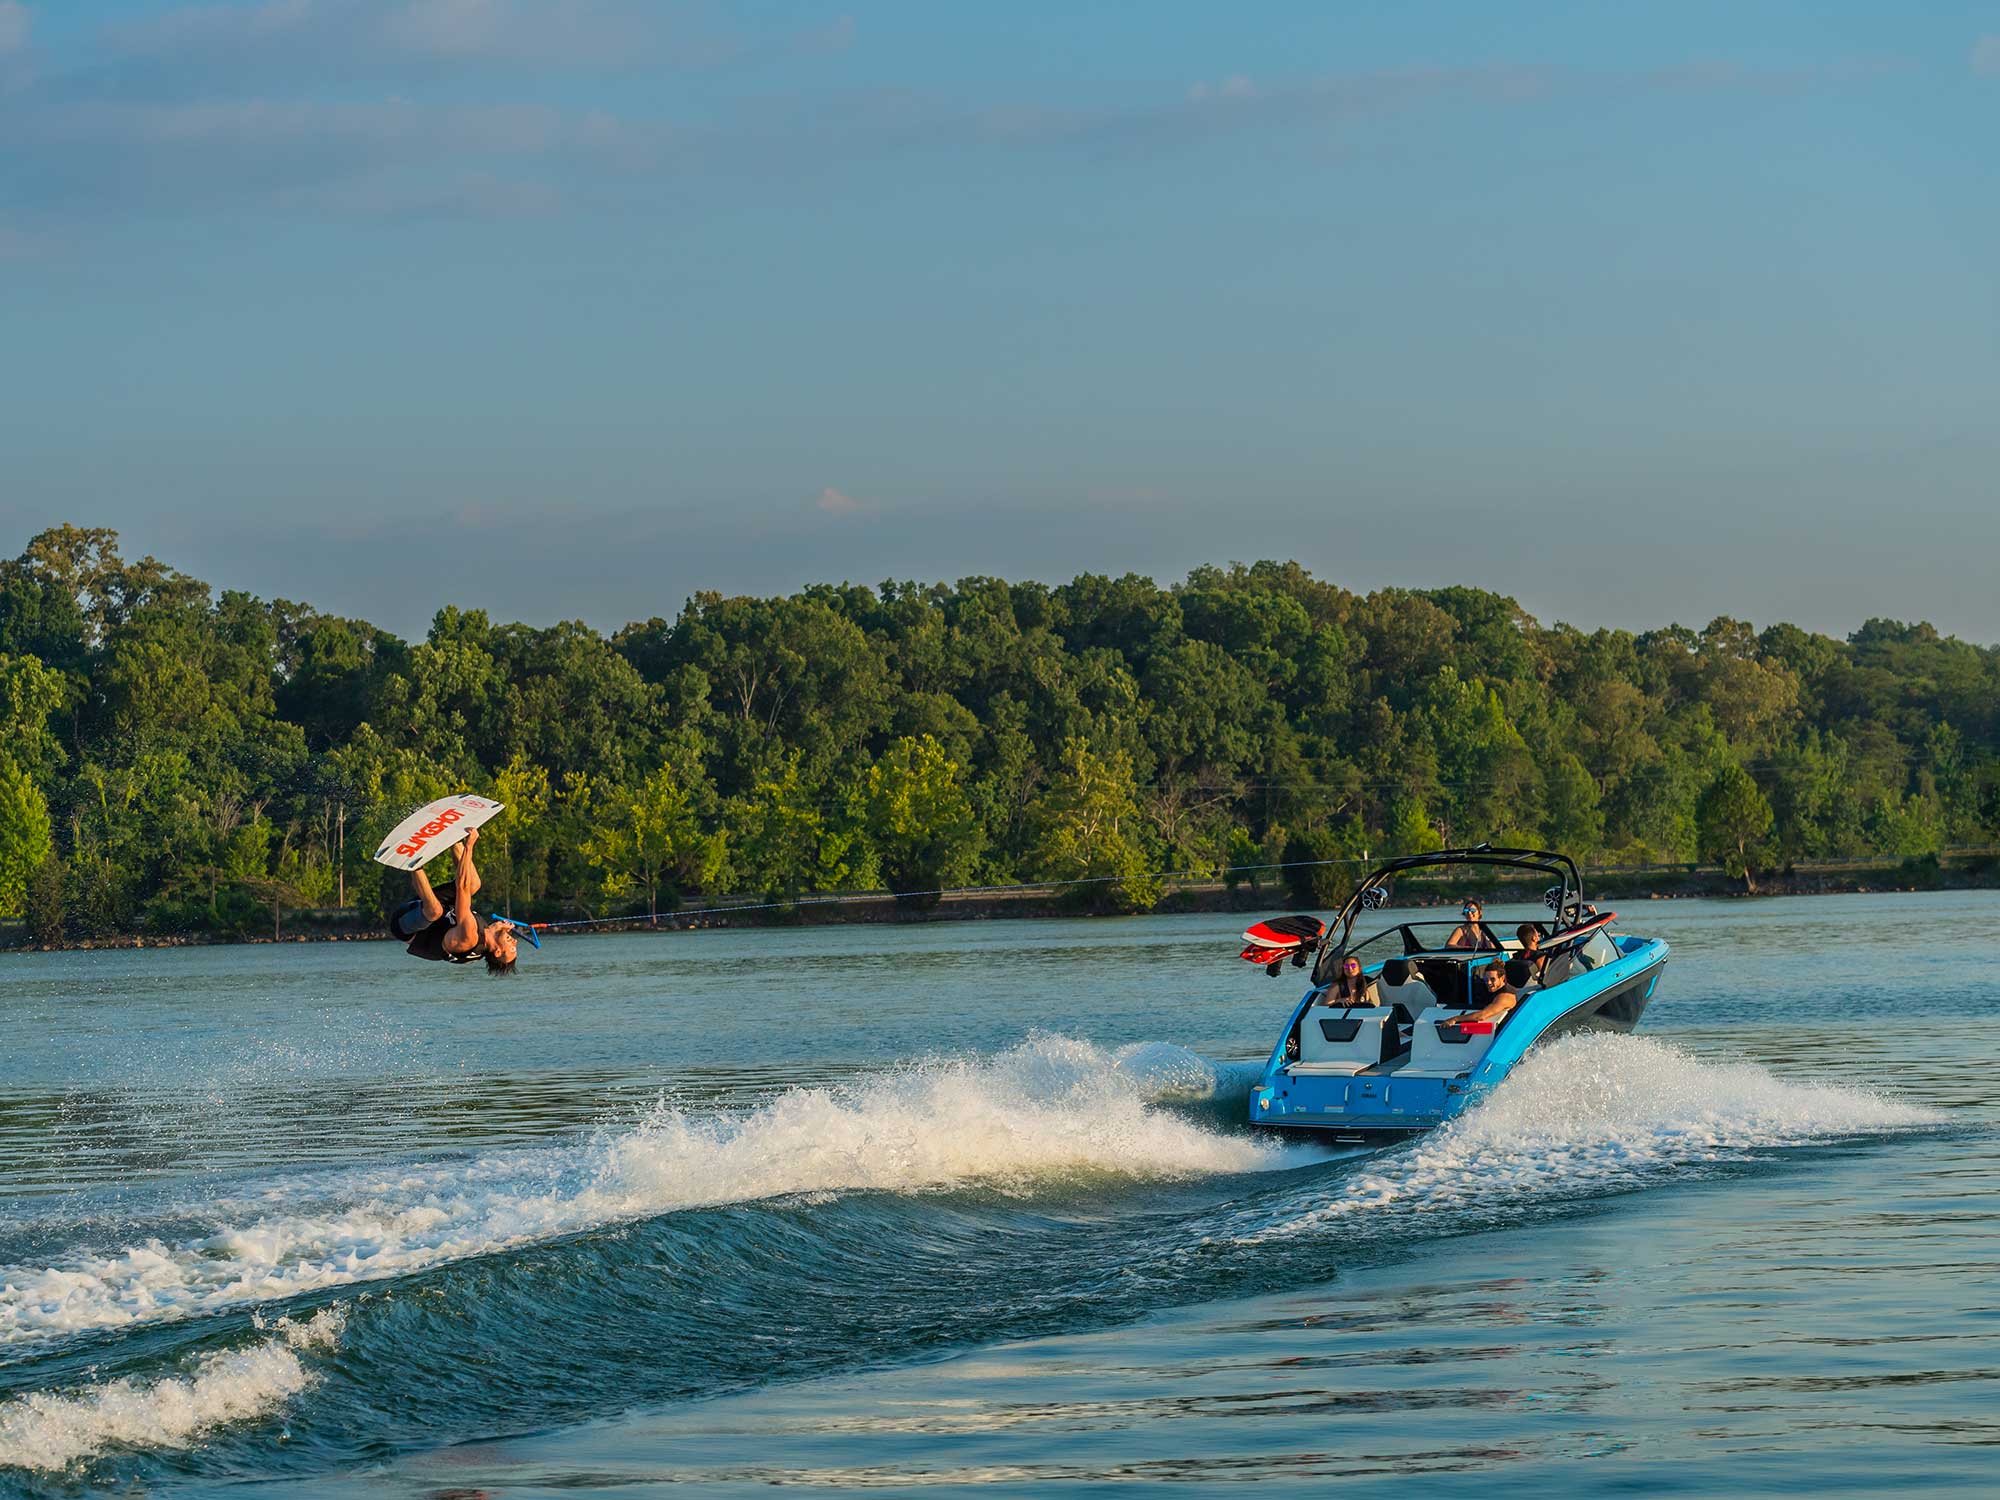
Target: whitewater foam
{"x": 1052, "y": 1110}
{"x": 1597, "y": 1114}
{"x": 53, "y": 1429}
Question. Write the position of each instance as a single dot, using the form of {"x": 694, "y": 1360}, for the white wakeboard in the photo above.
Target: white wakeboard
{"x": 434, "y": 828}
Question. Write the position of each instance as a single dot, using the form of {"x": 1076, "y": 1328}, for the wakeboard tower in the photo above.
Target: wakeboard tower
{"x": 434, "y": 828}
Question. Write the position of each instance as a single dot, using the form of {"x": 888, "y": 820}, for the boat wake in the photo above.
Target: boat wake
{"x": 1591, "y": 1115}
{"x": 52, "y": 1430}
{"x": 1021, "y": 1137}
{"x": 1050, "y": 1112}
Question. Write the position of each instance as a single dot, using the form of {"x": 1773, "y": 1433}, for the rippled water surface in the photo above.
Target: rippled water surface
{"x": 961, "y": 1207}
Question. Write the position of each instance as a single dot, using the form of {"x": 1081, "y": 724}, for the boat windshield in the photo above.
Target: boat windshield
{"x": 1448, "y": 971}
{"x": 1409, "y": 938}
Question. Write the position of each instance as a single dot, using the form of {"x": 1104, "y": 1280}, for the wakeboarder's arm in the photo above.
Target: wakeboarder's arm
{"x": 464, "y": 935}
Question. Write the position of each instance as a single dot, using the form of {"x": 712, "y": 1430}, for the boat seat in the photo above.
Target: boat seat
{"x": 1438, "y": 1046}
{"x": 1399, "y": 984}
{"x": 1336, "y": 1039}
{"x": 1414, "y": 998}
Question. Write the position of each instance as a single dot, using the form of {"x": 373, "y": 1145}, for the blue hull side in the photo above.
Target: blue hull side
{"x": 1385, "y": 1102}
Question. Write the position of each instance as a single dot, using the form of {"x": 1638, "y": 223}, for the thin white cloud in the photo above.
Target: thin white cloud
{"x": 1235, "y": 86}
{"x": 16, "y": 21}
{"x": 1986, "y": 57}
{"x": 381, "y": 158}
{"x": 180, "y": 139}
{"x": 396, "y": 195}
{"x": 517, "y": 30}
{"x": 837, "y": 36}
{"x": 193, "y": 28}
{"x": 276, "y": 124}
{"x": 527, "y": 33}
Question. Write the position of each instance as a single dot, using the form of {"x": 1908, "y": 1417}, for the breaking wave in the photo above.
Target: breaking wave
{"x": 53, "y": 1429}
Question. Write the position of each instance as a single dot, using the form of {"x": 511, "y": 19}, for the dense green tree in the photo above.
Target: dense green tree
{"x": 449, "y": 690}
{"x": 652, "y": 836}
{"x": 571, "y": 702}
{"x": 329, "y": 671}
{"x": 920, "y": 820}
{"x": 793, "y": 837}
{"x": 30, "y": 697}
{"x": 515, "y": 848}
{"x": 1087, "y": 828}
{"x": 1487, "y": 785}
{"x": 1654, "y": 807}
{"x": 43, "y": 905}
{"x": 1322, "y": 864}
{"x": 1571, "y": 818}
{"x": 1910, "y": 826}
{"x": 1409, "y": 829}
{"x": 1732, "y": 819}
{"x": 199, "y": 757}
{"x": 25, "y": 841}
{"x": 785, "y": 674}
{"x": 1809, "y": 785}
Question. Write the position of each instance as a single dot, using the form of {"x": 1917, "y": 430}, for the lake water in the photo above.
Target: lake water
{"x": 963, "y": 1208}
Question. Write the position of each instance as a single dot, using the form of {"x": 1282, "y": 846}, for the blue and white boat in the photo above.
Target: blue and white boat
{"x": 1409, "y": 1063}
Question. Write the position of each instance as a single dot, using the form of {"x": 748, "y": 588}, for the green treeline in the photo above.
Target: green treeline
{"x": 176, "y": 760}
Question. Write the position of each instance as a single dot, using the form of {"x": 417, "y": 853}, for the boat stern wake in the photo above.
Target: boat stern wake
{"x": 1596, "y": 1114}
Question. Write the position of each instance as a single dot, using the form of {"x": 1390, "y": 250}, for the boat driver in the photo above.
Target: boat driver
{"x": 451, "y": 933}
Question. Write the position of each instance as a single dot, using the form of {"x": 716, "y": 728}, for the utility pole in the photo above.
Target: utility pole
{"x": 340, "y": 858}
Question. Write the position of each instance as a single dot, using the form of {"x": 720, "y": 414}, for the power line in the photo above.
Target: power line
{"x": 941, "y": 892}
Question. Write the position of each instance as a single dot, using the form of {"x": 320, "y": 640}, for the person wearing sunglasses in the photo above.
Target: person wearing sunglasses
{"x": 1470, "y": 933}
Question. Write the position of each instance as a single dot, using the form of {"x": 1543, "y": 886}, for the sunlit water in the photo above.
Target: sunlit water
{"x": 969, "y": 1206}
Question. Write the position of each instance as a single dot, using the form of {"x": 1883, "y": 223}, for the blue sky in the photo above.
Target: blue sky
{"x": 570, "y": 307}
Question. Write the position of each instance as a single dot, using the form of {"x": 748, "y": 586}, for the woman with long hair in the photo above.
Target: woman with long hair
{"x": 1350, "y": 987}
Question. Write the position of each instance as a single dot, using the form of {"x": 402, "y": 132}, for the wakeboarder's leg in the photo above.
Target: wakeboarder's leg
{"x": 417, "y": 913}
{"x": 420, "y": 886}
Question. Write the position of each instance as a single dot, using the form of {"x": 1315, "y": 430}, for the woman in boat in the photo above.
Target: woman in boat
{"x": 1470, "y": 933}
{"x": 1351, "y": 988}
